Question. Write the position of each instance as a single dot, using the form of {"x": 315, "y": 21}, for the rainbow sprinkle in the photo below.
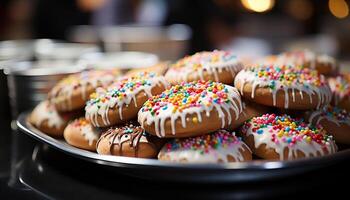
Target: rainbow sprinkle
{"x": 341, "y": 115}
{"x": 122, "y": 88}
{"x": 287, "y": 130}
{"x": 340, "y": 85}
{"x": 287, "y": 75}
{"x": 201, "y": 59}
{"x": 205, "y": 143}
{"x": 188, "y": 95}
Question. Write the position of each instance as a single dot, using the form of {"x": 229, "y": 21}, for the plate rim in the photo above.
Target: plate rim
{"x": 120, "y": 161}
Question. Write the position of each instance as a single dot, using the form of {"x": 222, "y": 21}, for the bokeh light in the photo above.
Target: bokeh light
{"x": 339, "y": 8}
{"x": 258, "y": 5}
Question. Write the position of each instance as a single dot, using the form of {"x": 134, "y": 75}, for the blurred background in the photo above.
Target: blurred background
{"x": 101, "y": 31}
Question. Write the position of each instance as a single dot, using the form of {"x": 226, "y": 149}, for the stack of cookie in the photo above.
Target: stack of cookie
{"x": 207, "y": 108}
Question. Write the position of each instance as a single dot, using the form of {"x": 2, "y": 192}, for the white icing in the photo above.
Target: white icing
{"x": 190, "y": 67}
{"x": 89, "y": 133}
{"x": 159, "y": 120}
{"x": 221, "y": 153}
{"x": 46, "y": 111}
{"x": 309, "y": 149}
{"x": 65, "y": 88}
{"x": 247, "y": 76}
{"x": 93, "y": 110}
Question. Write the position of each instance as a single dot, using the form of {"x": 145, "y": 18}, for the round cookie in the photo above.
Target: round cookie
{"x": 275, "y": 137}
{"x": 80, "y": 133}
{"x": 46, "y": 118}
{"x": 323, "y": 63}
{"x": 129, "y": 140}
{"x": 191, "y": 109}
{"x": 334, "y": 120}
{"x": 72, "y": 92}
{"x": 123, "y": 99}
{"x": 340, "y": 87}
{"x": 219, "y": 66}
{"x": 288, "y": 87}
{"x": 159, "y": 69}
{"x": 218, "y": 147}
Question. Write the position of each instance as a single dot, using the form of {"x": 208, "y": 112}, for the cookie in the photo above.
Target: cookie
{"x": 218, "y": 147}
{"x": 219, "y": 66}
{"x": 323, "y": 63}
{"x": 334, "y": 120}
{"x": 340, "y": 87}
{"x": 287, "y": 87}
{"x": 80, "y": 133}
{"x": 274, "y": 137}
{"x": 123, "y": 99}
{"x": 129, "y": 140}
{"x": 46, "y": 118}
{"x": 72, "y": 92}
{"x": 191, "y": 109}
{"x": 158, "y": 69}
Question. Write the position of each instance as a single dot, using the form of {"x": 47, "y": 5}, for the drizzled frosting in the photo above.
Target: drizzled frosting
{"x": 340, "y": 87}
{"x": 130, "y": 133}
{"x": 305, "y": 57}
{"x": 285, "y": 78}
{"x": 120, "y": 94}
{"x": 211, "y": 148}
{"x": 333, "y": 114}
{"x": 85, "y": 128}
{"x": 47, "y": 112}
{"x": 204, "y": 62}
{"x": 280, "y": 132}
{"x": 190, "y": 98}
{"x": 66, "y": 87}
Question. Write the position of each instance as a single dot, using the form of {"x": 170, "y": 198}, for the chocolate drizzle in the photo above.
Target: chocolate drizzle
{"x": 132, "y": 133}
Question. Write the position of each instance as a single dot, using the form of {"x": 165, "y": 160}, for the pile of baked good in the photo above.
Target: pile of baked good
{"x": 205, "y": 108}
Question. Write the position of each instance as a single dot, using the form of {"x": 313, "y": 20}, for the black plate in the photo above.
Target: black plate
{"x": 152, "y": 169}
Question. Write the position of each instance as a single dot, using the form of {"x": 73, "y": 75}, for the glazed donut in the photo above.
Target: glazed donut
{"x": 123, "y": 99}
{"x": 46, "y": 118}
{"x": 80, "y": 133}
{"x": 158, "y": 69}
{"x": 72, "y": 92}
{"x": 340, "y": 87}
{"x": 191, "y": 109}
{"x": 284, "y": 87}
{"x": 219, "y": 66}
{"x": 323, "y": 63}
{"x": 219, "y": 147}
{"x": 276, "y": 137}
{"x": 129, "y": 140}
{"x": 334, "y": 120}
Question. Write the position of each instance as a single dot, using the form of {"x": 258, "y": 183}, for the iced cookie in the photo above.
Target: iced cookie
{"x": 129, "y": 140}
{"x": 80, "y": 133}
{"x": 123, "y": 99}
{"x": 287, "y": 87}
{"x": 72, "y": 92}
{"x": 218, "y": 147}
{"x": 276, "y": 137}
{"x": 219, "y": 66}
{"x": 191, "y": 109}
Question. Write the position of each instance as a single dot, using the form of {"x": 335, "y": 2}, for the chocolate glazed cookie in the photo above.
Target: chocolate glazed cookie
{"x": 129, "y": 140}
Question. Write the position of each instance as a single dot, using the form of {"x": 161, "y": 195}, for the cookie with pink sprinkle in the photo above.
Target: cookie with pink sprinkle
{"x": 288, "y": 87}
{"x": 218, "y": 147}
{"x": 280, "y": 137}
{"x": 121, "y": 101}
{"x": 191, "y": 109}
{"x": 334, "y": 120}
{"x": 219, "y": 66}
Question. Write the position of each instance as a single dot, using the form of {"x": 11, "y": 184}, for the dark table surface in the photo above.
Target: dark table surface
{"x": 31, "y": 170}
